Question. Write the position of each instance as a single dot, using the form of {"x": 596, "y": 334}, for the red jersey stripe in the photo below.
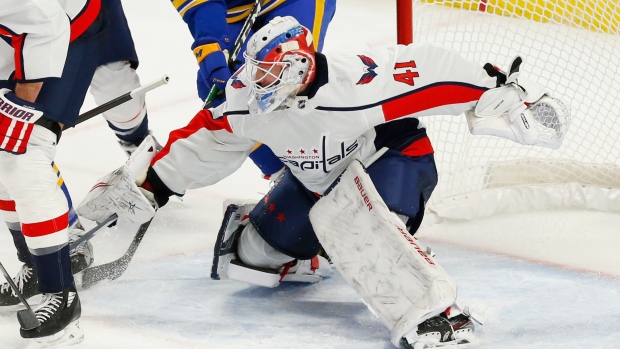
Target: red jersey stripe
{"x": 4, "y": 31}
{"x": 7, "y": 205}
{"x": 420, "y": 147}
{"x": 18, "y": 48}
{"x": 82, "y": 21}
{"x": 46, "y": 227}
{"x": 203, "y": 119}
{"x": 429, "y": 98}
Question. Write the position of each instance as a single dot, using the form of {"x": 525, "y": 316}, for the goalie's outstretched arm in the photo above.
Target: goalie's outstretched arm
{"x": 199, "y": 154}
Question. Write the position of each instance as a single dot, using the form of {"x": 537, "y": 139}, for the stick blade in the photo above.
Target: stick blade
{"x": 114, "y": 269}
{"x": 27, "y": 319}
{"x": 110, "y": 271}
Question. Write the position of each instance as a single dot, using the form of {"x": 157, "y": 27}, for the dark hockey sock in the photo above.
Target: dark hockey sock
{"x": 133, "y": 135}
{"x": 54, "y": 270}
{"x": 23, "y": 254}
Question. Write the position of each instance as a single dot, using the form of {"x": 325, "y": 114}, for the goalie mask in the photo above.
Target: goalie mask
{"x": 279, "y": 61}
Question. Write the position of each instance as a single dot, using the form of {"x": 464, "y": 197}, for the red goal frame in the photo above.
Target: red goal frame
{"x": 404, "y": 21}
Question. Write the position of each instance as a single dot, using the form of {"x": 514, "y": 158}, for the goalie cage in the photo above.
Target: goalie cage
{"x": 571, "y": 47}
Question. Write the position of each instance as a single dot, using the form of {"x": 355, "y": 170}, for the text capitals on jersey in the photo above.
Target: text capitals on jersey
{"x": 320, "y": 159}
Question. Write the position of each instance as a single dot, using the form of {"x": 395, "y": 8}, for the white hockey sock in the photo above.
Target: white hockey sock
{"x": 256, "y": 252}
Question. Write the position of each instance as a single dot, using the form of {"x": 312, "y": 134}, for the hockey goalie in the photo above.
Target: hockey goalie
{"x": 359, "y": 168}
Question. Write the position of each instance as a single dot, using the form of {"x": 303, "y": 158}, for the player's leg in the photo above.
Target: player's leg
{"x": 117, "y": 75}
{"x": 271, "y": 241}
{"x": 129, "y": 121}
{"x": 83, "y": 255}
{"x": 402, "y": 284}
{"x": 405, "y": 183}
{"x": 26, "y": 278}
{"x": 40, "y": 203}
{"x": 43, "y": 211}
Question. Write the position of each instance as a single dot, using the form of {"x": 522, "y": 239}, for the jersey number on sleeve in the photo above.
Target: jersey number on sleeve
{"x": 407, "y": 76}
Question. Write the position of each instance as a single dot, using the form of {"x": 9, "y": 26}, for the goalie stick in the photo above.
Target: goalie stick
{"x": 91, "y": 233}
{"x": 116, "y": 268}
{"x": 243, "y": 35}
{"x": 27, "y": 319}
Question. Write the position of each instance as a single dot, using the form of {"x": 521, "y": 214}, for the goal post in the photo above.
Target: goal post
{"x": 570, "y": 46}
{"x": 404, "y": 23}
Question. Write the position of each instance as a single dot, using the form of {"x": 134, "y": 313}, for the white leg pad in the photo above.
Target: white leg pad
{"x": 398, "y": 281}
{"x": 257, "y": 263}
{"x": 260, "y": 277}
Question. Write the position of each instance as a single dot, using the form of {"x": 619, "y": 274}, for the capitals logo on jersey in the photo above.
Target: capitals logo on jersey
{"x": 369, "y": 72}
{"x": 320, "y": 159}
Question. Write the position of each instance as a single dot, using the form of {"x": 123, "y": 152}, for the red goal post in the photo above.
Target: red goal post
{"x": 404, "y": 26}
{"x": 571, "y": 47}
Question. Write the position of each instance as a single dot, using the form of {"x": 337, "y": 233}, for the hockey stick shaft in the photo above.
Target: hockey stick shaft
{"x": 122, "y": 99}
{"x": 26, "y": 317}
{"x": 91, "y": 233}
{"x": 116, "y": 268}
{"x": 243, "y": 35}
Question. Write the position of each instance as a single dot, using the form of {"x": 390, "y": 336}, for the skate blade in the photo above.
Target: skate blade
{"x": 70, "y": 335}
{"x": 465, "y": 340}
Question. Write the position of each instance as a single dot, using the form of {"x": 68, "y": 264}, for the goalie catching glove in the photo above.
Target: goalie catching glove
{"x": 520, "y": 110}
{"x": 117, "y": 192}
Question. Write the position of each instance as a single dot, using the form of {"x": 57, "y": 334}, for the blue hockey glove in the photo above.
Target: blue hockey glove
{"x": 203, "y": 92}
{"x": 213, "y": 68}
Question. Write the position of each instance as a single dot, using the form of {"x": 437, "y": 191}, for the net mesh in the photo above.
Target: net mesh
{"x": 569, "y": 46}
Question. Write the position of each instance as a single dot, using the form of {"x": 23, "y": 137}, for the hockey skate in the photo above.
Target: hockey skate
{"x": 59, "y": 315}
{"x": 442, "y": 331}
{"x": 26, "y": 282}
{"x": 26, "y": 278}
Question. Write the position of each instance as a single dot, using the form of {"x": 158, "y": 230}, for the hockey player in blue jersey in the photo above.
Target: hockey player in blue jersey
{"x": 215, "y": 24}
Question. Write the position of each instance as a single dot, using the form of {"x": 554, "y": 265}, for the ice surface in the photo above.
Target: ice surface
{"x": 533, "y": 277}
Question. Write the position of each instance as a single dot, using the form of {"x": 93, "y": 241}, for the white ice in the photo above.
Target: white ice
{"x": 541, "y": 280}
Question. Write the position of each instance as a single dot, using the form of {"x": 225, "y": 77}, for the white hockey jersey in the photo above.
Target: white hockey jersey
{"x": 37, "y": 33}
{"x": 334, "y": 124}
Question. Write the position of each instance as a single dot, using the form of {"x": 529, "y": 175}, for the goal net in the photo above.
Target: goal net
{"x": 570, "y": 46}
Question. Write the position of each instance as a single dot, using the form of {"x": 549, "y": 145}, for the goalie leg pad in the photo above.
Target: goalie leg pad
{"x": 400, "y": 283}
{"x": 258, "y": 263}
{"x": 254, "y": 250}
{"x": 307, "y": 271}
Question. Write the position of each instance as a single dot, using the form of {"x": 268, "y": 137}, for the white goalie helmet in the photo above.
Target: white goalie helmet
{"x": 279, "y": 60}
